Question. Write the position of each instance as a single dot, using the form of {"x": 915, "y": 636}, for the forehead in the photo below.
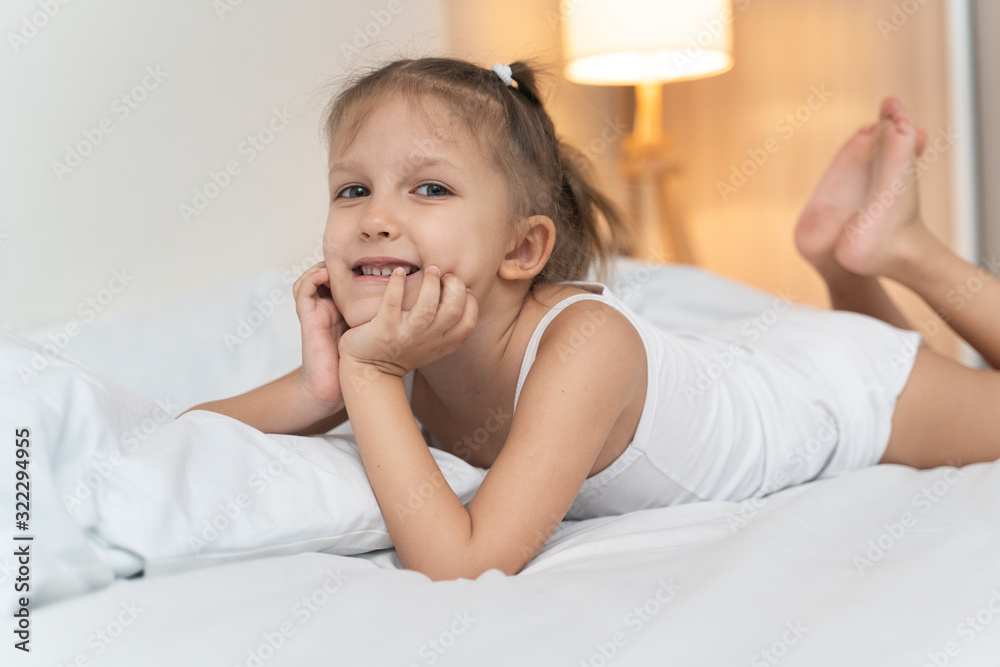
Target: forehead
{"x": 423, "y": 121}
{"x": 422, "y": 128}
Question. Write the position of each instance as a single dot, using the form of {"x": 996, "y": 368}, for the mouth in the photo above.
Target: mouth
{"x": 381, "y": 271}
{"x": 381, "y": 274}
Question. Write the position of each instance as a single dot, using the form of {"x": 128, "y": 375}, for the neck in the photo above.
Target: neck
{"x": 466, "y": 374}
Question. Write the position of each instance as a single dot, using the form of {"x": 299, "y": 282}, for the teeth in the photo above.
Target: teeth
{"x": 384, "y": 271}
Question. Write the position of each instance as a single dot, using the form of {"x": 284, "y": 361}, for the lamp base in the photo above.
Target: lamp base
{"x": 649, "y": 174}
{"x": 649, "y": 170}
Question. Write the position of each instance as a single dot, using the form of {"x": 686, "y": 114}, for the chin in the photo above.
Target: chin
{"x": 364, "y": 310}
{"x": 360, "y": 314}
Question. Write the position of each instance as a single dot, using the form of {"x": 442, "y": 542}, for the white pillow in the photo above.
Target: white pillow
{"x": 118, "y": 486}
{"x": 190, "y": 348}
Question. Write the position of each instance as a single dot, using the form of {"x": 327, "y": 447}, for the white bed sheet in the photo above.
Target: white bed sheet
{"x": 681, "y": 585}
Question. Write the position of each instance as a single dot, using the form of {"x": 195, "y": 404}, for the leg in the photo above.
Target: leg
{"x": 965, "y": 296}
{"x": 888, "y": 238}
{"x": 838, "y": 196}
{"x": 946, "y": 415}
{"x": 865, "y": 295}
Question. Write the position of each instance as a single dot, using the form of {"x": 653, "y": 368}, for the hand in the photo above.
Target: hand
{"x": 322, "y": 328}
{"x": 396, "y": 342}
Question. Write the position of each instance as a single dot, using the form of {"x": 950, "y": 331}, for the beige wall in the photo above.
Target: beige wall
{"x": 784, "y": 51}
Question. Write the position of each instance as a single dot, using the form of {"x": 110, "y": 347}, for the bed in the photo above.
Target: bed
{"x": 197, "y": 540}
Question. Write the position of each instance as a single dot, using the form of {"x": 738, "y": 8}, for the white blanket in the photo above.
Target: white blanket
{"x": 246, "y": 565}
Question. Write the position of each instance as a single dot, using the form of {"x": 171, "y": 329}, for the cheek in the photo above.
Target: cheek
{"x": 471, "y": 266}
{"x": 336, "y": 228}
{"x": 333, "y": 251}
{"x": 331, "y": 241}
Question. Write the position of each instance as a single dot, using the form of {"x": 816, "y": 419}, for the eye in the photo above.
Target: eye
{"x": 353, "y": 192}
{"x": 432, "y": 190}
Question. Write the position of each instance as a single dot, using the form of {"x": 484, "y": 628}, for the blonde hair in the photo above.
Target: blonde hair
{"x": 545, "y": 176}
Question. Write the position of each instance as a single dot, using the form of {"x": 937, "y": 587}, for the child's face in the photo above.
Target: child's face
{"x": 420, "y": 192}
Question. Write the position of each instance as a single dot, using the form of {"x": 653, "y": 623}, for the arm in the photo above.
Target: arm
{"x": 280, "y": 406}
{"x": 537, "y": 475}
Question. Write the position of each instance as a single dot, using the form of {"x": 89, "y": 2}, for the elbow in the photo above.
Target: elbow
{"x": 466, "y": 566}
{"x": 452, "y": 574}
{"x": 447, "y": 571}
{"x": 467, "y": 556}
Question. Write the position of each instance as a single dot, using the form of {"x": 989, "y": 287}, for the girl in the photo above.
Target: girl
{"x": 450, "y": 310}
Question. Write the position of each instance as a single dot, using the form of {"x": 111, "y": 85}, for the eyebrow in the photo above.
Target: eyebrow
{"x": 345, "y": 165}
{"x": 416, "y": 160}
{"x": 422, "y": 160}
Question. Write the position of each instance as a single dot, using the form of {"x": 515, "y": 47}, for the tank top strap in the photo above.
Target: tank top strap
{"x": 529, "y": 354}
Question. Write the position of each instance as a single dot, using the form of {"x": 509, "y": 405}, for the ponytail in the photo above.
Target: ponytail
{"x": 581, "y": 238}
{"x": 595, "y": 229}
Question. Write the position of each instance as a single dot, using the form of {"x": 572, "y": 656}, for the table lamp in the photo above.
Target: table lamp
{"x": 646, "y": 43}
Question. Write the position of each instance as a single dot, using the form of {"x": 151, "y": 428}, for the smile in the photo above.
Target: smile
{"x": 372, "y": 270}
{"x": 361, "y": 277}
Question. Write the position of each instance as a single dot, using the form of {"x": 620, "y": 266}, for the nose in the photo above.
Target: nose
{"x": 378, "y": 220}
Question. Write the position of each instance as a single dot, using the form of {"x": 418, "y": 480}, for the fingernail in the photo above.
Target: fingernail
{"x": 398, "y": 271}
{"x": 469, "y": 290}
{"x": 435, "y": 270}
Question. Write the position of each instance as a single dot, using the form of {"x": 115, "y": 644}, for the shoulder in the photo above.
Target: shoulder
{"x": 588, "y": 348}
{"x": 591, "y": 326}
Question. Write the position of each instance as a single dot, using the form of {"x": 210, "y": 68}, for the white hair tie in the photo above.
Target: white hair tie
{"x": 503, "y": 71}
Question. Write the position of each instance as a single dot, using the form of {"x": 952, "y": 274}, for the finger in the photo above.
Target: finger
{"x": 470, "y": 315}
{"x": 320, "y": 274}
{"x": 310, "y": 287}
{"x": 313, "y": 269}
{"x": 308, "y": 275}
{"x": 452, "y": 300}
{"x": 392, "y": 300}
{"x": 426, "y": 306}
{"x": 321, "y": 283}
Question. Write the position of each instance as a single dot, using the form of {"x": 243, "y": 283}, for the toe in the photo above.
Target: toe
{"x": 892, "y": 109}
{"x": 921, "y": 140}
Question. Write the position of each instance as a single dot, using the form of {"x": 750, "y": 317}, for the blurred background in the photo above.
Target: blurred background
{"x": 153, "y": 151}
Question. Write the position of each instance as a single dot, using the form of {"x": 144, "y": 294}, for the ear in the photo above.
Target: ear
{"x": 531, "y": 251}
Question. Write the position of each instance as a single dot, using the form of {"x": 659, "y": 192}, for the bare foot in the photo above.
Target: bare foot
{"x": 882, "y": 228}
{"x": 841, "y": 192}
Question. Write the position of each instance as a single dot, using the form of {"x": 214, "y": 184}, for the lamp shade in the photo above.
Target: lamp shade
{"x": 630, "y": 42}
